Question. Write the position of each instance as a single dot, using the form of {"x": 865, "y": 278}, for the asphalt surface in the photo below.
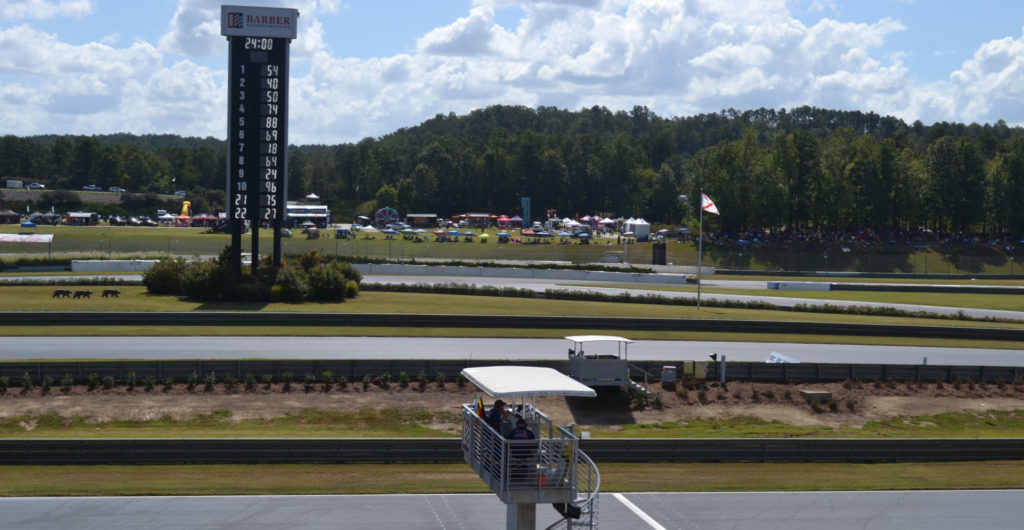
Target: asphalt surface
{"x": 927, "y": 510}
{"x": 24, "y": 348}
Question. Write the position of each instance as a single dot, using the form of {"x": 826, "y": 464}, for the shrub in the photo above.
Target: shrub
{"x": 342, "y": 382}
{"x": 460, "y": 380}
{"x": 351, "y": 289}
{"x": 956, "y": 384}
{"x": 291, "y": 285}
{"x": 385, "y": 379}
{"x": 93, "y": 381}
{"x": 939, "y": 385}
{"x": 150, "y": 383}
{"x": 250, "y": 382}
{"x": 657, "y": 398}
{"x": 403, "y": 379}
{"x": 108, "y": 382}
{"x": 326, "y": 283}
{"x": 130, "y": 380}
{"x": 165, "y": 276}
{"x": 168, "y": 384}
{"x": 230, "y": 381}
{"x": 193, "y": 380}
{"x": 367, "y": 381}
{"x": 308, "y": 382}
{"x": 5, "y": 383}
{"x": 209, "y": 381}
{"x": 816, "y": 407}
{"x": 26, "y": 383}
{"x": 67, "y": 382}
{"x": 423, "y": 380}
{"x": 440, "y": 379}
{"x": 327, "y": 377}
{"x": 286, "y": 378}
{"x": 46, "y": 384}
{"x": 267, "y": 381}
{"x": 851, "y": 405}
{"x": 833, "y": 405}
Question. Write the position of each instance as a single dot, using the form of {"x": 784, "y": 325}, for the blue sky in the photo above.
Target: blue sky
{"x": 366, "y": 68}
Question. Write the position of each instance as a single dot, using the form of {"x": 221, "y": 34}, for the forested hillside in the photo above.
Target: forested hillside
{"x": 800, "y": 168}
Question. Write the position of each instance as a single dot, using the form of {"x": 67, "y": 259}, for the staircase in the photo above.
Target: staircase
{"x": 588, "y": 485}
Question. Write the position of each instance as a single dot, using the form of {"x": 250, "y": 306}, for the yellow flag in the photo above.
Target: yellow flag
{"x": 480, "y": 407}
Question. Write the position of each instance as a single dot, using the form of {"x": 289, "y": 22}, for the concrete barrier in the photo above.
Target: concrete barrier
{"x": 507, "y": 272}
{"x": 560, "y": 274}
{"x": 112, "y": 265}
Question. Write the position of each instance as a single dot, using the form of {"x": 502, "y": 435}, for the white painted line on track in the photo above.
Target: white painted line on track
{"x": 639, "y": 513}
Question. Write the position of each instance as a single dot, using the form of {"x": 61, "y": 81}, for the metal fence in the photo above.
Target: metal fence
{"x": 356, "y": 370}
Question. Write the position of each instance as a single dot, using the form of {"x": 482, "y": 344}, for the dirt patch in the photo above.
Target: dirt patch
{"x": 852, "y": 403}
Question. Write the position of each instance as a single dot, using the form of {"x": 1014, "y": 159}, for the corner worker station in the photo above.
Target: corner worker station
{"x": 550, "y": 469}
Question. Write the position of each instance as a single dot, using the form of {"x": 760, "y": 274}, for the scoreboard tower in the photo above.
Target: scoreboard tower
{"x": 257, "y": 157}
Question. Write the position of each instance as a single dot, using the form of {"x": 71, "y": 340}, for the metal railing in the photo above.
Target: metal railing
{"x": 522, "y": 471}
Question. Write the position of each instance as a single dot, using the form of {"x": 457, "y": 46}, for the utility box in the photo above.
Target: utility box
{"x": 659, "y": 253}
{"x": 14, "y": 184}
{"x": 668, "y": 374}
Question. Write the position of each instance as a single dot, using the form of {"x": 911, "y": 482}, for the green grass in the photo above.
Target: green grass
{"x": 994, "y": 424}
{"x": 307, "y": 423}
{"x": 114, "y": 240}
{"x": 415, "y": 423}
{"x": 324, "y": 479}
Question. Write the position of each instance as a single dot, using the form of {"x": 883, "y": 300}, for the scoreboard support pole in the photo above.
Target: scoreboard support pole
{"x": 257, "y": 146}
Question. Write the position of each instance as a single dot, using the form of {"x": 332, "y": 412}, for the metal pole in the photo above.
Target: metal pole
{"x": 700, "y": 248}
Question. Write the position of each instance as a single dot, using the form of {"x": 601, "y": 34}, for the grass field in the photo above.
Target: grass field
{"x": 410, "y": 423}
{"x": 324, "y": 479}
{"x": 117, "y": 240}
{"x": 135, "y": 298}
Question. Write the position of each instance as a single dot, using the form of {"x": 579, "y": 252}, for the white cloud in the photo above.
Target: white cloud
{"x": 44, "y": 9}
{"x": 678, "y": 57}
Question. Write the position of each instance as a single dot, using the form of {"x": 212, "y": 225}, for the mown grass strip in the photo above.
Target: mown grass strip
{"x": 420, "y": 423}
{"x": 323, "y": 479}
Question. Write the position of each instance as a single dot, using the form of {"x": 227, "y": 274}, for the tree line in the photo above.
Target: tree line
{"x": 803, "y": 169}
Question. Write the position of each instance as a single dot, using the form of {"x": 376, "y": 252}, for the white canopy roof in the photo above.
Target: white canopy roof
{"x": 596, "y": 338}
{"x": 525, "y": 381}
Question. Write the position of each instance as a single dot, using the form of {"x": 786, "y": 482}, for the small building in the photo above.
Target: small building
{"x": 474, "y": 220}
{"x": 9, "y": 217}
{"x": 82, "y": 218}
{"x": 297, "y": 213}
{"x": 421, "y": 219}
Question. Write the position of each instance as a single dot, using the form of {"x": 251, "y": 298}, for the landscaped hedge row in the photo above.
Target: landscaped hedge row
{"x": 307, "y": 277}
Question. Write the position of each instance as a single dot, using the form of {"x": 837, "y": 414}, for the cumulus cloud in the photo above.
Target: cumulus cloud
{"x": 43, "y": 9}
{"x": 677, "y": 57}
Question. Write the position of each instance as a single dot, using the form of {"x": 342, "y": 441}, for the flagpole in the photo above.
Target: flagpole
{"x": 700, "y": 246}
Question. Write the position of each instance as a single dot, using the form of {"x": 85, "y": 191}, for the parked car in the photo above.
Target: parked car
{"x": 180, "y": 193}
{"x": 91, "y": 187}
{"x": 116, "y": 220}
{"x": 116, "y": 189}
{"x": 36, "y": 186}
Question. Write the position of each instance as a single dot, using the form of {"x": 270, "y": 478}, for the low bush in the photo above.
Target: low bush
{"x": 67, "y": 382}
{"x": 93, "y": 381}
{"x": 108, "y": 382}
{"x": 286, "y": 379}
{"x": 149, "y": 383}
{"x": 5, "y": 383}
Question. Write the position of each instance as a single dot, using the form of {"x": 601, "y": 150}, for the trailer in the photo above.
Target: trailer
{"x": 594, "y": 363}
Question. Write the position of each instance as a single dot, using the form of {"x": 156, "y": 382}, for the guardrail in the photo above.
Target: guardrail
{"x": 448, "y": 450}
{"x": 355, "y": 370}
{"x": 215, "y": 318}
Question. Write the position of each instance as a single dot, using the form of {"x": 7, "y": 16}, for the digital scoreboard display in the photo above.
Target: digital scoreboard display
{"x": 257, "y": 165}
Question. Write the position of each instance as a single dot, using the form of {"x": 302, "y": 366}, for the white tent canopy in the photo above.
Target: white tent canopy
{"x": 525, "y": 381}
